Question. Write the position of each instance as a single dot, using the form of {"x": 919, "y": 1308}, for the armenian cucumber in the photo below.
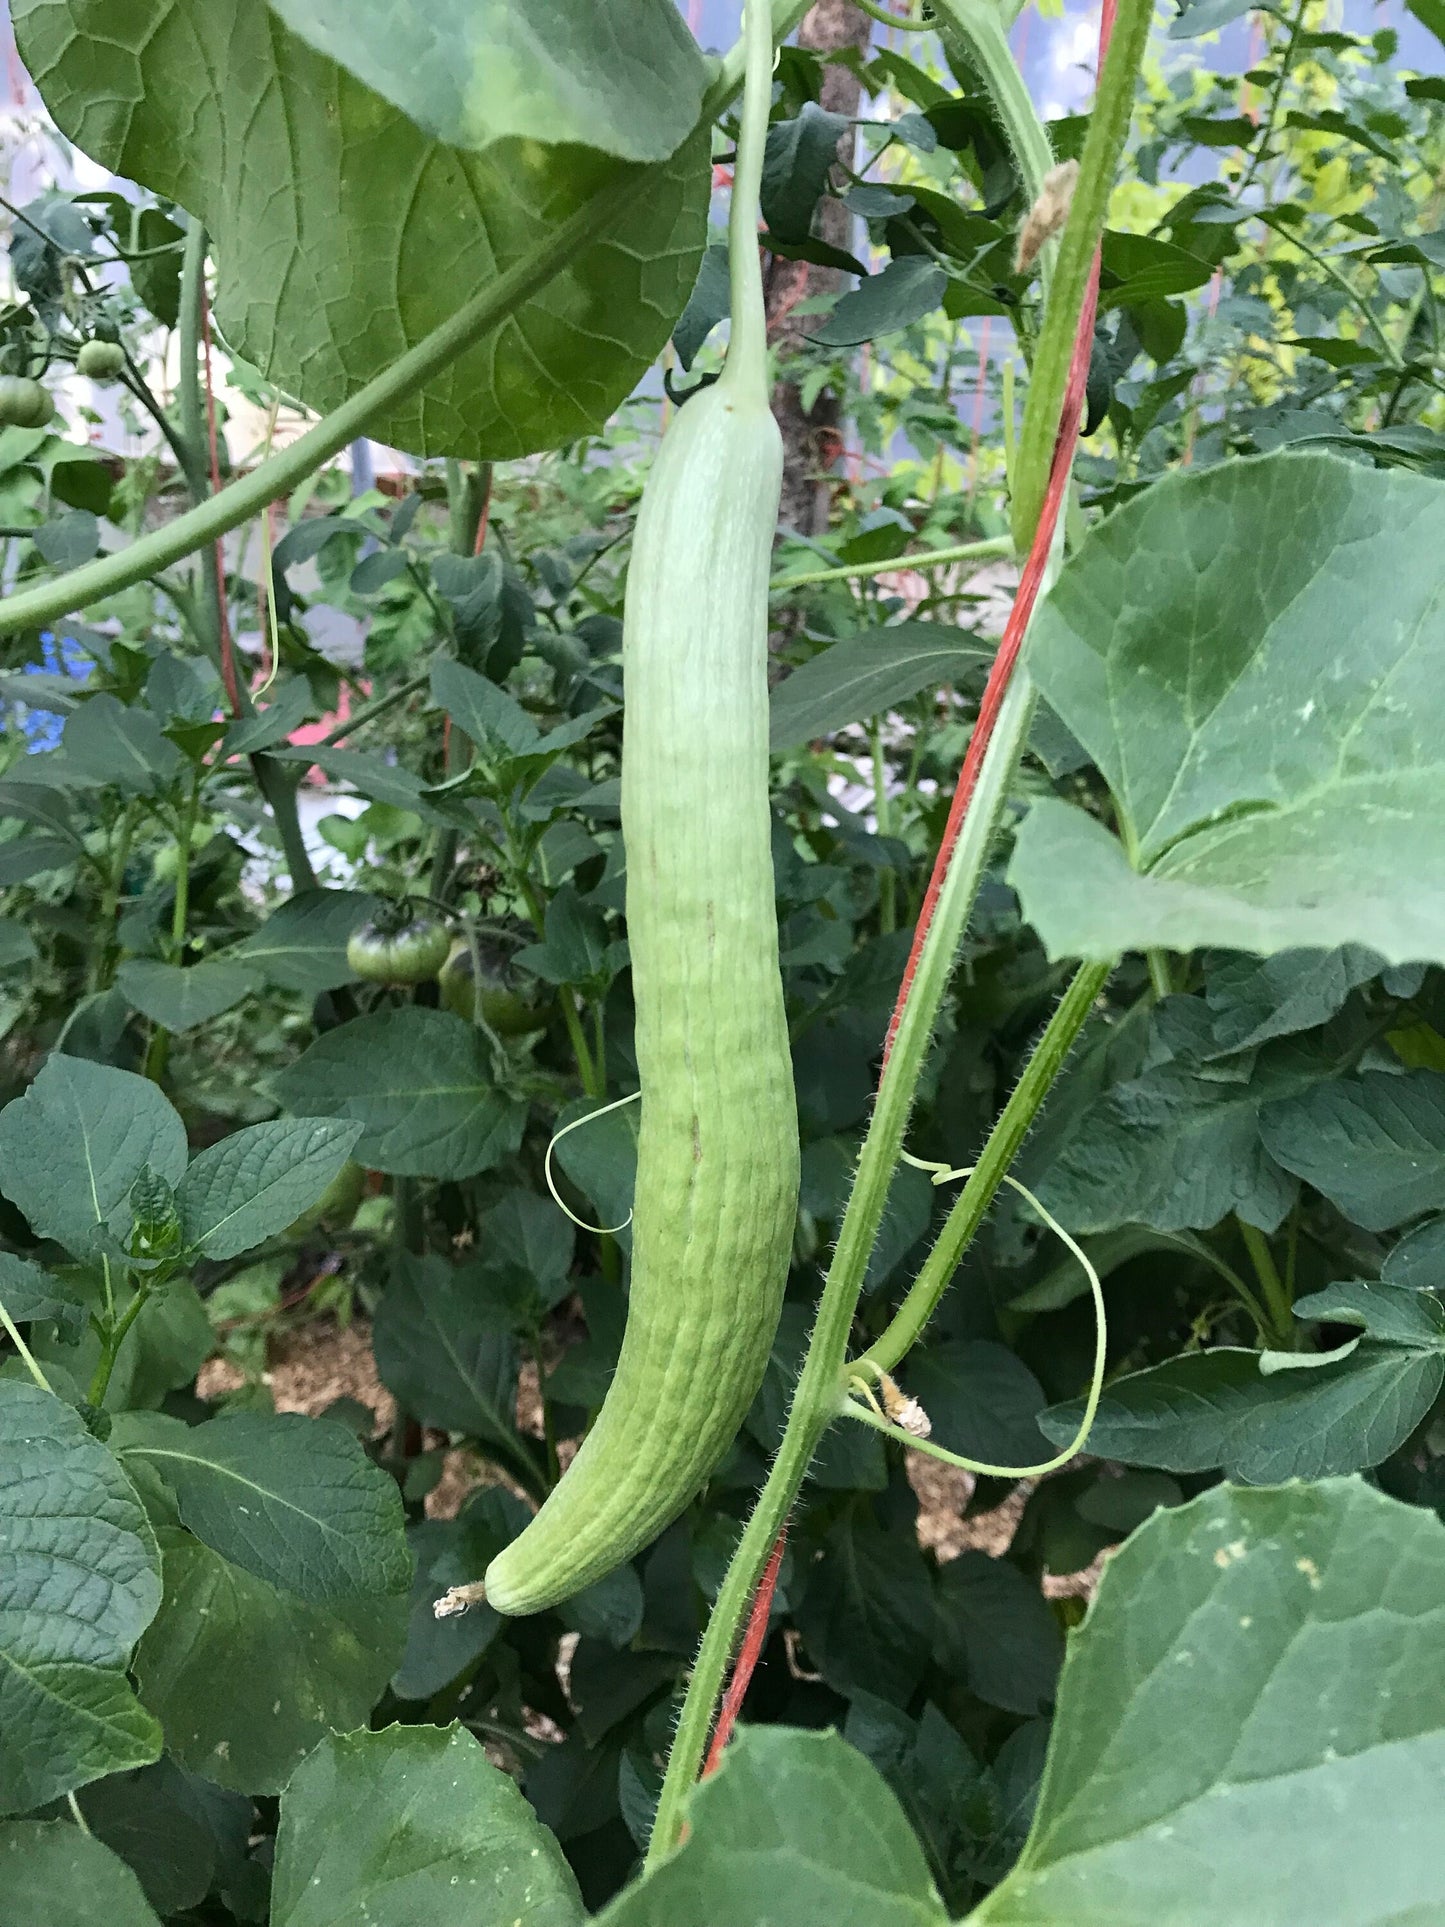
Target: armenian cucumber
{"x": 717, "y": 1165}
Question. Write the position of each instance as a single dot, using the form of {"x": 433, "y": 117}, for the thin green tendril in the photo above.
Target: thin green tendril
{"x": 866, "y": 1369}
{"x": 602, "y": 1230}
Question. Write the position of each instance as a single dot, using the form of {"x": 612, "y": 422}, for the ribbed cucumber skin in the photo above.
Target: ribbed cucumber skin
{"x": 717, "y": 1164}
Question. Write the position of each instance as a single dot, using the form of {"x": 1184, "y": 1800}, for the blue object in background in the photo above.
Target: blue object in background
{"x": 64, "y": 657}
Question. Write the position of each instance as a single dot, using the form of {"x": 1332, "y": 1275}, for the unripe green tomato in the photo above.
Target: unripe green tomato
{"x": 503, "y": 1007}
{"x": 100, "y": 360}
{"x": 406, "y": 954}
{"x": 24, "y": 403}
{"x": 338, "y": 1203}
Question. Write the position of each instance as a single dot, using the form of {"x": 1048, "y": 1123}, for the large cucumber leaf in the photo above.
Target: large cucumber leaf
{"x": 343, "y": 233}
{"x": 1228, "y": 1744}
{"x": 627, "y": 78}
{"x": 1255, "y": 659}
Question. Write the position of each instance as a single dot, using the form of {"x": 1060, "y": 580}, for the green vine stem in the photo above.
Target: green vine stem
{"x": 994, "y": 1160}
{"x": 1276, "y": 1296}
{"x": 996, "y": 545}
{"x": 282, "y": 472}
{"x": 815, "y": 1401}
{"x": 1103, "y": 144}
{"x": 114, "y": 1339}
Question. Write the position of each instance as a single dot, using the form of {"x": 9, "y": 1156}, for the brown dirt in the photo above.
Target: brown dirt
{"x": 943, "y": 1491}
{"x": 310, "y": 1368}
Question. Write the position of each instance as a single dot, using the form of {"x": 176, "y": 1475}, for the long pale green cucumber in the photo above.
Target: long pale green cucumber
{"x": 717, "y": 1163}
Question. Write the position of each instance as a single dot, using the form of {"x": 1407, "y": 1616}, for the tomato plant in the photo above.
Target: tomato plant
{"x": 969, "y": 1444}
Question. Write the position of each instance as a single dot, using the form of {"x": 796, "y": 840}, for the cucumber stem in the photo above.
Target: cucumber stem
{"x": 747, "y": 359}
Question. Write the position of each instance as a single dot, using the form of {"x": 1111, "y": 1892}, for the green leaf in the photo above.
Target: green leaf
{"x": 867, "y": 1615}
{"x": 414, "y": 1824}
{"x": 31, "y": 1295}
{"x": 796, "y": 164}
{"x": 1140, "y": 267}
{"x": 69, "y": 540}
{"x": 364, "y": 234}
{"x": 445, "y": 1352}
{"x": 1224, "y": 1698}
{"x": 522, "y": 1229}
{"x": 75, "y": 1143}
{"x": 112, "y": 744}
{"x": 257, "y": 1181}
{"x": 79, "y": 1583}
{"x": 610, "y": 1610}
{"x": 794, "y": 1827}
{"x": 292, "y": 704}
{"x": 982, "y": 1399}
{"x": 170, "y": 1827}
{"x": 1267, "y": 1417}
{"x": 858, "y": 678}
{"x": 1198, "y": 17}
{"x": 1373, "y": 1144}
{"x": 1419, "y": 1259}
{"x": 302, "y": 946}
{"x": 1252, "y": 999}
{"x": 420, "y": 1082}
{"x": 52, "y": 1872}
{"x": 707, "y": 305}
{"x": 575, "y": 949}
{"x": 157, "y": 280}
{"x": 27, "y": 856}
{"x": 165, "y": 1350}
{"x": 494, "y": 720}
{"x": 293, "y": 1500}
{"x": 373, "y": 776}
{"x": 473, "y": 75}
{"x": 17, "y": 946}
{"x": 1178, "y": 1149}
{"x": 180, "y": 998}
{"x": 1215, "y": 645}
{"x": 246, "y": 1679}
{"x": 1431, "y": 14}
{"x": 472, "y": 586}
{"x": 899, "y": 294}
{"x": 997, "y": 1631}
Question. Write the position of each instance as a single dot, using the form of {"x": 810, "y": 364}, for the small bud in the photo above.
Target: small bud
{"x": 1047, "y": 215}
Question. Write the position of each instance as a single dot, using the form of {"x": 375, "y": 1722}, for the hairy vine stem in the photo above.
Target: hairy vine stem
{"x": 984, "y": 785}
{"x": 1098, "y": 165}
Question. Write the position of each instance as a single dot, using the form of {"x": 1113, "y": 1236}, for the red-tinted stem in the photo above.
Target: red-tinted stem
{"x": 1020, "y": 615}
{"x": 748, "y": 1655}
{"x": 1008, "y": 651}
{"x": 228, "y": 653}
